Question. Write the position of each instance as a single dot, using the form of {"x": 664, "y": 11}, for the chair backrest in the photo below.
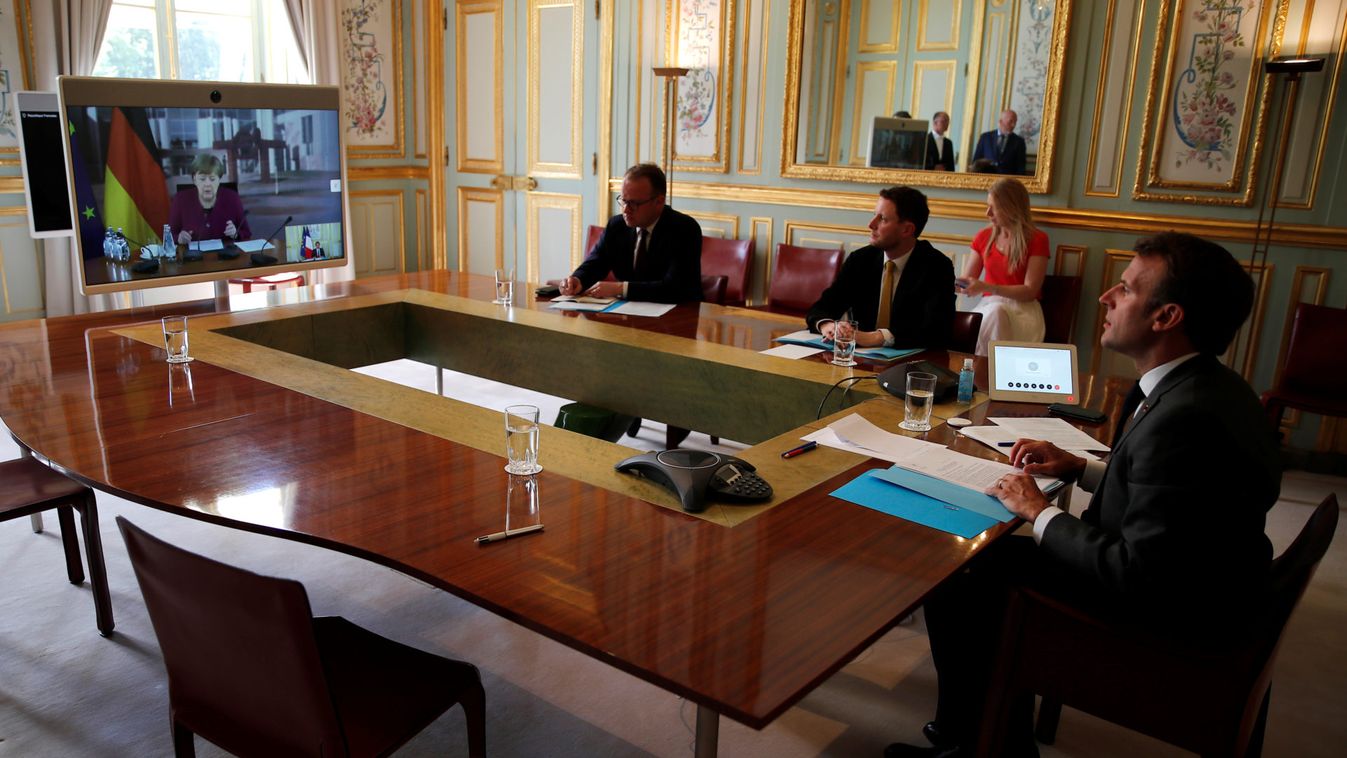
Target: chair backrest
{"x": 1060, "y": 299}
{"x": 963, "y": 336}
{"x": 1293, "y": 569}
{"x": 799, "y": 276}
{"x": 243, "y": 664}
{"x": 592, "y": 239}
{"x": 1315, "y": 361}
{"x": 732, "y": 259}
{"x": 713, "y": 289}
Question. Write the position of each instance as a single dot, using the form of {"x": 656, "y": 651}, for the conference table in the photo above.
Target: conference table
{"x": 741, "y": 609}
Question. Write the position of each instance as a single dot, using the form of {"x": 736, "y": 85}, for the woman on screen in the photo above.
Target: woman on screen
{"x": 207, "y": 211}
{"x": 1014, "y": 253}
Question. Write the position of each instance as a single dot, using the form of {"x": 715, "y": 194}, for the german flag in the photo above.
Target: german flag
{"x": 135, "y": 195}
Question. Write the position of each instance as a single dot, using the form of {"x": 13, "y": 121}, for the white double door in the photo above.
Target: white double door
{"x": 521, "y": 96}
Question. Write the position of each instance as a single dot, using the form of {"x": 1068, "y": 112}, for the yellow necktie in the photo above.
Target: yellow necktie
{"x": 886, "y": 294}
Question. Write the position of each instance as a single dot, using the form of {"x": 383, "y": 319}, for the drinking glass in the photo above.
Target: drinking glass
{"x": 504, "y": 286}
{"x": 919, "y": 401}
{"x": 521, "y": 502}
{"x": 844, "y": 342}
{"x": 521, "y": 439}
{"x": 175, "y": 338}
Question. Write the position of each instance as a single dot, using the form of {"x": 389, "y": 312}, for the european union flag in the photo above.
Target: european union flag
{"x": 86, "y": 205}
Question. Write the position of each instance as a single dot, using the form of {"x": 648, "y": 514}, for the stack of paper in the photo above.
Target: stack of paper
{"x": 808, "y": 338}
{"x": 1054, "y": 430}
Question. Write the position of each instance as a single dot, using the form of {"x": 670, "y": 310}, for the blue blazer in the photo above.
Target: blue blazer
{"x": 1009, "y": 161}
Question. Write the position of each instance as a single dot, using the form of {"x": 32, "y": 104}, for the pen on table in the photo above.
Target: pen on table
{"x": 806, "y": 447}
{"x": 498, "y": 536}
{"x": 1006, "y": 444}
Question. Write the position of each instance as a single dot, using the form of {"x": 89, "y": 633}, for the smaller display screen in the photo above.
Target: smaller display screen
{"x": 45, "y": 170}
{"x": 1034, "y": 369}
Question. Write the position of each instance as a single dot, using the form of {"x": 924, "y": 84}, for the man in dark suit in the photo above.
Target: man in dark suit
{"x": 653, "y": 251}
{"x": 1002, "y": 146}
{"x": 1173, "y": 537}
{"x": 939, "y": 147}
{"x": 918, "y": 280}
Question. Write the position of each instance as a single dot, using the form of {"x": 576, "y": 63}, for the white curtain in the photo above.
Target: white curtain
{"x": 66, "y": 36}
{"x": 317, "y": 31}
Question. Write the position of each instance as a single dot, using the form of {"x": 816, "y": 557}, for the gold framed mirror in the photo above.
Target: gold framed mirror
{"x": 865, "y": 79}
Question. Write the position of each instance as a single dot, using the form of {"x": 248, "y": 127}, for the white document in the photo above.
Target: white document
{"x": 992, "y": 436}
{"x": 637, "y": 308}
{"x": 965, "y": 470}
{"x": 208, "y": 246}
{"x": 584, "y": 299}
{"x": 856, "y": 434}
{"x": 254, "y": 246}
{"x": 1053, "y": 430}
{"x": 792, "y": 351}
{"x": 571, "y": 305}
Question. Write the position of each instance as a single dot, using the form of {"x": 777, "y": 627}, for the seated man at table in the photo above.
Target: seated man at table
{"x": 1173, "y": 536}
{"x": 897, "y": 288}
{"x": 653, "y": 251}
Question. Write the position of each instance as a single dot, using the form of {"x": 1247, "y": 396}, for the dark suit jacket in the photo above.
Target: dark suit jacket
{"x": 922, "y": 313}
{"x": 935, "y": 158}
{"x": 1009, "y": 161}
{"x": 670, "y": 269}
{"x": 1176, "y": 525}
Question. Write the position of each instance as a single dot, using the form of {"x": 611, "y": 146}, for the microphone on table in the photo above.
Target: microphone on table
{"x": 262, "y": 259}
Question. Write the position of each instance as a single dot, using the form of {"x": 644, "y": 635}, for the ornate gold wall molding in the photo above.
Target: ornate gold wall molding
{"x": 1070, "y": 260}
{"x": 537, "y": 76}
{"x": 760, "y": 231}
{"x": 756, "y": 30}
{"x": 493, "y": 197}
{"x": 373, "y": 237}
{"x": 1123, "y": 99}
{"x": 535, "y": 202}
{"x": 495, "y": 163}
{"x": 378, "y": 173}
{"x": 890, "y": 42}
{"x": 398, "y": 148}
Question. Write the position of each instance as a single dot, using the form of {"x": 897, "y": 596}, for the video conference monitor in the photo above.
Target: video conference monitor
{"x": 248, "y": 179}
{"x": 898, "y": 143}
{"x": 46, "y": 189}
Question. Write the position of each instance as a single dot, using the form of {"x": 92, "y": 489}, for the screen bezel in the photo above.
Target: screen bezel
{"x": 1031, "y": 396}
{"x": 41, "y": 102}
{"x": 86, "y": 91}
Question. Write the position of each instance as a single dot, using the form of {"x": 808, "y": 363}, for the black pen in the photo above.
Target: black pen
{"x": 806, "y": 447}
{"x": 1005, "y": 444}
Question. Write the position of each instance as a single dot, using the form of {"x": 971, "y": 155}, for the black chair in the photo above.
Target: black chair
{"x": 1314, "y": 374}
{"x": 1210, "y": 696}
{"x": 27, "y": 488}
{"x": 963, "y": 335}
{"x": 251, "y": 669}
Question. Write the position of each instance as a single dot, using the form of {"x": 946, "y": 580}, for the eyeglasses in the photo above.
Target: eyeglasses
{"x": 626, "y": 203}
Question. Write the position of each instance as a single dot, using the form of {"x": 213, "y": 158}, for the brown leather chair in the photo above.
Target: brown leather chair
{"x": 1314, "y": 375}
{"x": 732, "y": 259}
{"x": 963, "y": 337}
{"x": 1060, "y": 300}
{"x": 251, "y": 669}
{"x": 799, "y": 276}
{"x": 27, "y": 488}
{"x": 1209, "y": 696}
{"x": 592, "y": 239}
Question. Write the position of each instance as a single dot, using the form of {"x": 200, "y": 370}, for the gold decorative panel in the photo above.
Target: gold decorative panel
{"x": 480, "y": 91}
{"x": 1070, "y": 260}
{"x": 536, "y": 203}
{"x": 1113, "y": 102}
{"x": 377, "y": 217}
{"x": 879, "y": 26}
{"x": 555, "y": 86}
{"x": 472, "y": 236}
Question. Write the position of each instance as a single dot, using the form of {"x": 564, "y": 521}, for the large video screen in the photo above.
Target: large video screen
{"x": 174, "y": 182}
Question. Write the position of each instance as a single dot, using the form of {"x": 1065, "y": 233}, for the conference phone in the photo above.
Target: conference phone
{"x": 696, "y": 475}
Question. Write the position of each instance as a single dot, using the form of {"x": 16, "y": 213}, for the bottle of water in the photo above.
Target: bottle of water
{"x": 123, "y": 245}
{"x": 169, "y": 249}
{"x": 966, "y": 381}
{"x": 109, "y": 250}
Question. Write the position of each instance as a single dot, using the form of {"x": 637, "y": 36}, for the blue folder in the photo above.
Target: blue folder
{"x": 873, "y": 353}
{"x": 877, "y": 493}
{"x": 947, "y": 492}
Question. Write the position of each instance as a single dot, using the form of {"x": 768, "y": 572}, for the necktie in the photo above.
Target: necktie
{"x": 1129, "y": 412}
{"x": 1000, "y": 144}
{"x": 640, "y": 249}
{"x": 886, "y": 294}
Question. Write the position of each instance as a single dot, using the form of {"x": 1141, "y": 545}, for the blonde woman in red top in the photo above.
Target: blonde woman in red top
{"x": 1014, "y": 255}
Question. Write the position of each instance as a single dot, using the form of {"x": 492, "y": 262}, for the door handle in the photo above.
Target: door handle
{"x": 518, "y": 183}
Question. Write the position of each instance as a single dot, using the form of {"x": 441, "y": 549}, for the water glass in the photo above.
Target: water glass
{"x": 918, "y": 402}
{"x": 844, "y": 342}
{"x": 504, "y": 286}
{"x": 521, "y": 439}
{"x": 175, "y": 338}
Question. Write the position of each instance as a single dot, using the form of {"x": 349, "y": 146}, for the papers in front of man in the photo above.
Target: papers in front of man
{"x": 254, "y": 246}
{"x": 583, "y": 303}
{"x": 638, "y": 308}
{"x": 1002, "y": 438}
{"x": 207, "y": 246}
{"x": 794, "y": 352}
{"x": 1054, "y": 430}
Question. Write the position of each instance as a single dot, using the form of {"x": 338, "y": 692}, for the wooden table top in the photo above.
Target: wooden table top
{"x": 745, "y": 620}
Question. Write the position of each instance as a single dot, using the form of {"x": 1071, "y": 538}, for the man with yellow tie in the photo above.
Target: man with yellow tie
{"x": 897, "y": 288}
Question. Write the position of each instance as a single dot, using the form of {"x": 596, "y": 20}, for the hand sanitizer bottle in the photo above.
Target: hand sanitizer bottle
{"x": 966, "y": 381}
{"x": 169, "y": 249}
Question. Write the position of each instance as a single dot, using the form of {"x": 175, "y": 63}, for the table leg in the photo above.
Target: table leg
{"x": 708, "y": 732}
{"x": 98, "y": 575}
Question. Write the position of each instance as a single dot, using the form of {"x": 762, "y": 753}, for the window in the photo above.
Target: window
{"x": 232, "y": 41}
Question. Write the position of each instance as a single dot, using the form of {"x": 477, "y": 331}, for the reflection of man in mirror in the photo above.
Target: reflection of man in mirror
{"x": 206, "y": 210}
{"x": 1002, "y": 146}
{"x": 939, "y": 148}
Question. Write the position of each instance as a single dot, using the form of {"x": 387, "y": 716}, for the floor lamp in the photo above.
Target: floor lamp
{"x": 1262, "y": 237}
{"x": 669, "y": 74}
